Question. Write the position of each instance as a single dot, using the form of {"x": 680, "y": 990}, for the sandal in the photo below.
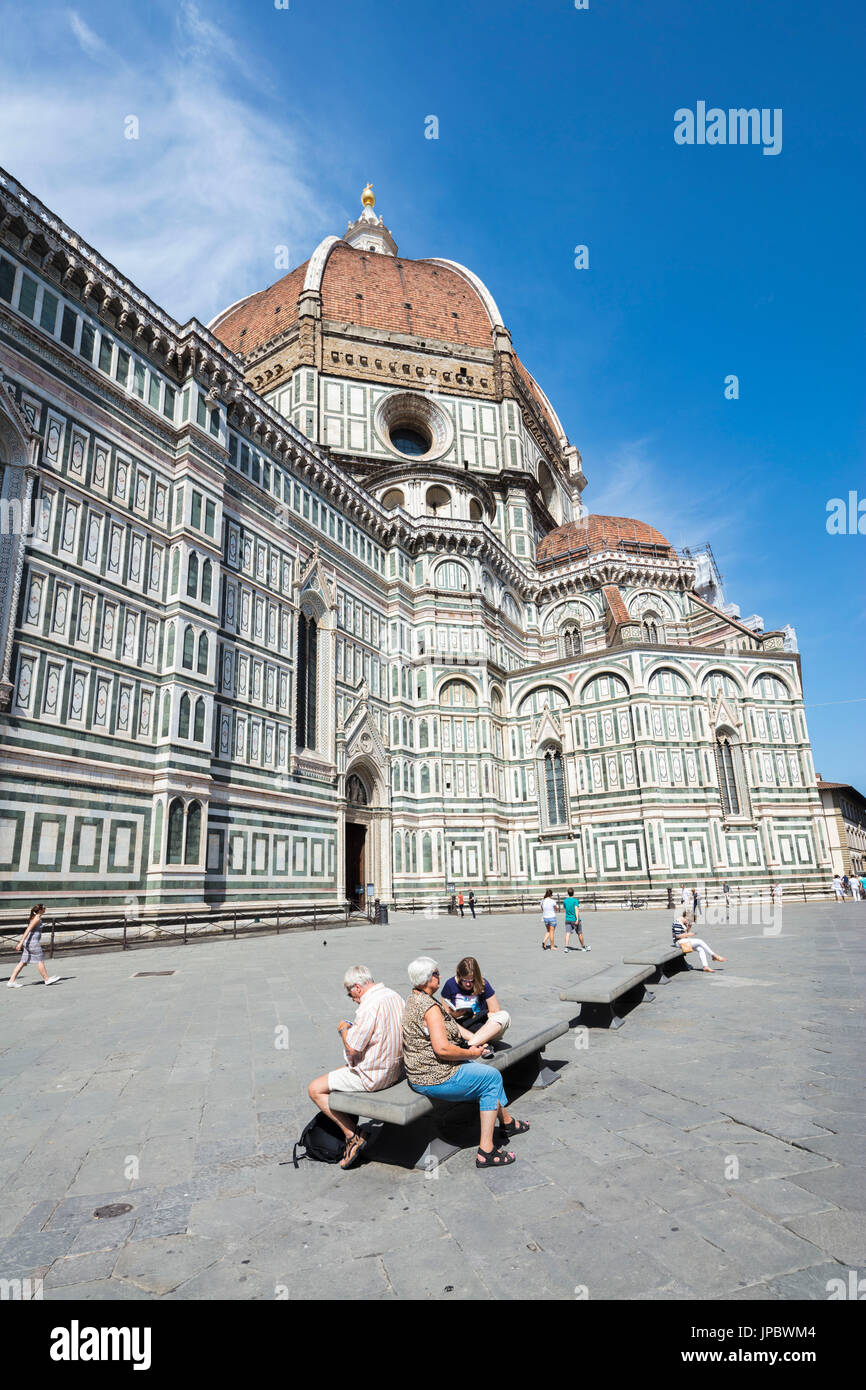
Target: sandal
{"x": 514, "y": 1127}
{"x": 493, "y": 1158}
{"x": 353, "y": 1150}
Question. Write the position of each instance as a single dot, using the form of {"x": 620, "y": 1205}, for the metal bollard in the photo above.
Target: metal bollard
{"x": 184, "y": 928}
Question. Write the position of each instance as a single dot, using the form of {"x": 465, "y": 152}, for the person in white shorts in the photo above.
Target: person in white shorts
{"x": 373, "y": 1048}
{"x": 548, "y": 917}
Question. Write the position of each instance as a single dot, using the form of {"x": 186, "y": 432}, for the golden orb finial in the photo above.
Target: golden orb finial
{"x": 368, "y": 197}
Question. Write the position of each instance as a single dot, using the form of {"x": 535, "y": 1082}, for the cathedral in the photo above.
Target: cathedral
{"x": 307, "y": 603}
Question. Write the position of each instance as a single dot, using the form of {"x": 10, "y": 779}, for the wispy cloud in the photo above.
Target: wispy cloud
{"x": 632, "y": 483}
{"x": 193, "y": 209}
{"x": 90, "y": 42}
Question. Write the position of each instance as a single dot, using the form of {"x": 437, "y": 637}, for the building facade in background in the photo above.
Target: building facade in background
{"x": 844, "y": 811}
{"x": 309, "y": 599}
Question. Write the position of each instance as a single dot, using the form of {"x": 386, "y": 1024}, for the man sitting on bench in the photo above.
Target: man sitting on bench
{"x": 684, "y": 937}
{"x": 373, "y": 1048}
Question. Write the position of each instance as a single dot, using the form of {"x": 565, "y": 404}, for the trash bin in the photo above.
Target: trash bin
{"x": 381, "y": 913}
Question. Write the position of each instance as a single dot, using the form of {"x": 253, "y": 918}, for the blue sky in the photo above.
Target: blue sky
{"x": 259, "y": 126}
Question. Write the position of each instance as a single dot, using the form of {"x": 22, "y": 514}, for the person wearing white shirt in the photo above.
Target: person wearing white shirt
{"x": 373, "y": 1048}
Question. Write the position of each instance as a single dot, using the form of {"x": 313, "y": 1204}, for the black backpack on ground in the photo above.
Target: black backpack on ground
{"x": 321, "y": 1140}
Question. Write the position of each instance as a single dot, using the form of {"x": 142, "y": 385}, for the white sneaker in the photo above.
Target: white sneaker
{"x": 13, "y": 984}
{"x": 52, "y": 979}
{"x": 587, "y": 948}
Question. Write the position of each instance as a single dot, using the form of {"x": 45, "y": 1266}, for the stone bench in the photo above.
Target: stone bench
{"x": 601, "y": 991}
{"x": 400, "y": 1105}
{"x": 659, "y": 957}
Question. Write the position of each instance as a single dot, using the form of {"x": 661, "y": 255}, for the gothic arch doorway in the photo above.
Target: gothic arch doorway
{"x": 366, "y": 836}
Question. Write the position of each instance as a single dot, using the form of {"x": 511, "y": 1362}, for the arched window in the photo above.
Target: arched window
{"x": 183, "y": 718}
{"x": 206, "y": 581}
{"x": 393, "y": 498}
{"x": 451, "y": 575}
{"x": 425, "y": 778}
{"x": 438, "y": 501}
{"x": 652, "y": 629}
{"x": 511, "y": 609}
{"x": 554, "y": 787}
{"x": 305, "y": 717}
{"x": 202, "y": 654}
{"x": 175, "y": 832}
{"x": 398, "y": 853}
{"x": 405, "y": 732}
{"x": 188, "y": 648}
{"x": 727, "y": 774}
{"x": 192, "y": 577}
{"x": 422, "y": 734}
{"x": 572, "y": 642}
{"x": 198, "y": 733}
{"x": 166, "y": 714}
{"x": 169, "y": 647}
{"x": 356, "y": 792}
{"x": 458, "y": 693}
{"x": 475, "y": 512}
{"x": 426, "y": 855}
{"x": 395, "y": 731}
{"x": 192, "y": 849}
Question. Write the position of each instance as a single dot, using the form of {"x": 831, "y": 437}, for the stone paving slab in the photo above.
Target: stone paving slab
{"x": 622, "y": 1186}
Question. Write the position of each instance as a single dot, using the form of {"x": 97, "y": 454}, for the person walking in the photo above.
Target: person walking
{"x": 854, "y": 885}
{"x": 460, "y": 904}
{"x": 548, "y": 917}
{"x": 472, "y": 902}
{"x": 30, "y": 946}
{"x": 571, "y": 905}
{"x": 726, "y": 889}
{"x": 838, "y": 889}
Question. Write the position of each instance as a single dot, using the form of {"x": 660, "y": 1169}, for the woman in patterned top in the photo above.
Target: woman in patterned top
{"x": 439, "y": 1066}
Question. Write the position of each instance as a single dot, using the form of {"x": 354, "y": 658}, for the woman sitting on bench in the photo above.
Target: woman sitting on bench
{"x": 685, "y": 938}
{"x": 440, "y": 1065}
{"x": 471, "y": 1000}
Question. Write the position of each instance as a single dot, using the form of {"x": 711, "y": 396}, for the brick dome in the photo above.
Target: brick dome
{"x": 595, "y": 533}
{"x": 421, "y": 299}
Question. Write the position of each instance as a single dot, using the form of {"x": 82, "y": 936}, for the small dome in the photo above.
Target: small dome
{"x": 595, "y": 533}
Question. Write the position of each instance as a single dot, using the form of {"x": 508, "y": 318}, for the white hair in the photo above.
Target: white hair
{"x": 421, "y": 970}
{"x": 357, "y": 975}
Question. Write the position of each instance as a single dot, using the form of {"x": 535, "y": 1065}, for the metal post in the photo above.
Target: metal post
{"x": 278, "y": 921}
{"x": 184, "y": 928}
{"x": 52, "y": 938}
{"x": 235, "y": 929}
{"x": 124, "y": 937}
{"x": 314, "y": 916}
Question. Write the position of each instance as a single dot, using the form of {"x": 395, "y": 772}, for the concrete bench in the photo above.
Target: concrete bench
{"x": 601, "y": 991}
{"x": 660, "y": 957}
{"x": 400, "y": 1105}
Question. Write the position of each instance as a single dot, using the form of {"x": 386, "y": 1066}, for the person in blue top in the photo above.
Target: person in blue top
{"x": 572, "y": 922}
{"x": 471, "y": 1001}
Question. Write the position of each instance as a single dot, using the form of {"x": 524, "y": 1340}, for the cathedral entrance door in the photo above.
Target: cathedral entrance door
{"x": 356, "y": 841}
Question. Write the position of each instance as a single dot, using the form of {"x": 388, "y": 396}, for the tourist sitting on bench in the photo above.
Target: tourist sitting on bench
{"x": 684, "y": 937}
{"x": 373, "y": 1048}
{"x": 438, "y": 1065}
{"x": 471, "y": 1000}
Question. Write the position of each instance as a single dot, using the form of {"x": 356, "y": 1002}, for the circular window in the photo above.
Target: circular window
{"x": 413, "y": 425}
{"x": 410, "y": 441}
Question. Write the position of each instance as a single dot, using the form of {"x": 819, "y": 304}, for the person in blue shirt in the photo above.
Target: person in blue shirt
{"x": 471, "y": 1001}
{"x": 572, "y": 922}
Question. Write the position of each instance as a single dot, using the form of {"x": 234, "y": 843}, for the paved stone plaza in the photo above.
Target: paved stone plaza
{"x": 712, "y": 1148}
